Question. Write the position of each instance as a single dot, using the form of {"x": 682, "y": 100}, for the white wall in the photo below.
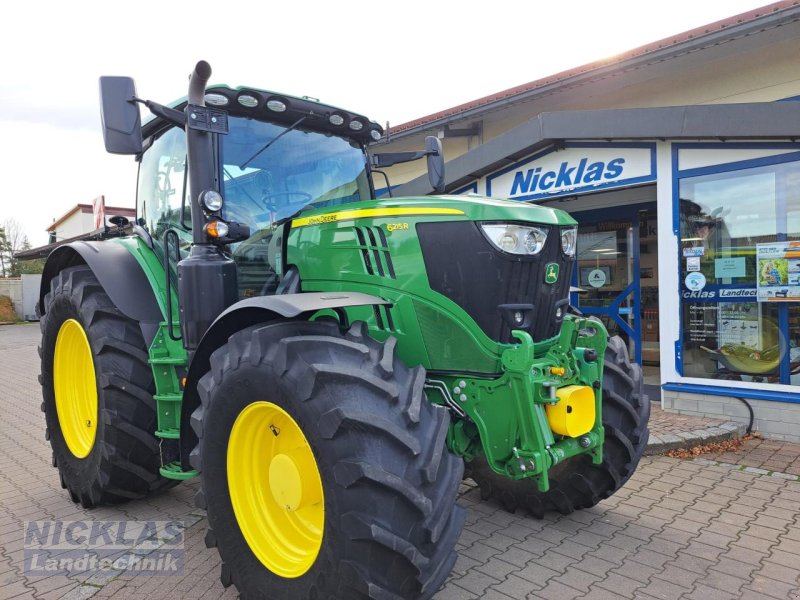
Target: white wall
{"x": 76, "y": 224}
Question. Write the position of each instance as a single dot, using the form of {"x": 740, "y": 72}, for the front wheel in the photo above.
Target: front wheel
{"x": 97, "y": 389}
{"x": 577, "y": 483}
{"x": 325, "y": 470}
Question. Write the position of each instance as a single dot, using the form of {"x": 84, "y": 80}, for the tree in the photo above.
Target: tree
{"x": 15, "y": 240}
{"x": 26, "y": 267}
{"x": 5, "y": 255}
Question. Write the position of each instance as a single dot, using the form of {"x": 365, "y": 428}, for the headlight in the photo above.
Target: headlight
{"x": 569, "y": 240}
{"x": 211, "y": 200}
{"x": 516, "y": 239}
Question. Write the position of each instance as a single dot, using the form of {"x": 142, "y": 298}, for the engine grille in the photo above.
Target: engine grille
{"x": 464, "y": 266}
{"x": 375, "y": 251}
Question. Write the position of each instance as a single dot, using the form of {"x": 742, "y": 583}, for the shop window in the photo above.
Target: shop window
{"x": 740, "y": 312}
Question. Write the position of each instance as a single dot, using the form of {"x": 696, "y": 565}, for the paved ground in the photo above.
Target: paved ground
{"x": 721, "y": 527}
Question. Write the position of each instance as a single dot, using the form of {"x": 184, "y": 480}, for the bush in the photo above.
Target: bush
{"x": 7, "y": 312}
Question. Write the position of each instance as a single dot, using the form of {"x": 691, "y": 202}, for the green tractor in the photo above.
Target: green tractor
{"x": 330, "y": 362}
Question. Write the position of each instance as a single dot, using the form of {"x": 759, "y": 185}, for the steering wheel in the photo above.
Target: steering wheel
{"x": 306, "y": 197}
{"x": 268, "y": 198}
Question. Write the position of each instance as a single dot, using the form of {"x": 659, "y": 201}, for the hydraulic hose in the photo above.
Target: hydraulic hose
{"x": 752, "y": 416}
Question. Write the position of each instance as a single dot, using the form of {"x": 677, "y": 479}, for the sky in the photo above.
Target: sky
{"x": 392, "y": 61}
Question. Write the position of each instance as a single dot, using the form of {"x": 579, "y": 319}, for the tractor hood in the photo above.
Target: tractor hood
{"x": 473, "y": 208}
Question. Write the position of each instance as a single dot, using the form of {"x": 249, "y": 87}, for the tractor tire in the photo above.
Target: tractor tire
{"x": 97, "y": 390}
{"x": 577, "y": 483}
{"x": 325, "y": 469}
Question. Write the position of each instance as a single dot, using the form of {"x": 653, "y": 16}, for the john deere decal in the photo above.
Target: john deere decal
{"x": 551, "y": 273}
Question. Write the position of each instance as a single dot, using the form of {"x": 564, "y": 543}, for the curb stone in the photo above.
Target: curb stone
{"x": 660, "y": 444}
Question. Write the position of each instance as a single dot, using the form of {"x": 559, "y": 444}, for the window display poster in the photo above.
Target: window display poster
{"x": 778, "y": 272}
{"x": 739, "y": 325}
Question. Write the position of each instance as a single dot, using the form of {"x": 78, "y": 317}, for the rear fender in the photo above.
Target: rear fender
{"x": 246, "y": 313}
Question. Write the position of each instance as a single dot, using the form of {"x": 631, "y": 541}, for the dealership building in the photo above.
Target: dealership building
{"x": 680, "y": 160}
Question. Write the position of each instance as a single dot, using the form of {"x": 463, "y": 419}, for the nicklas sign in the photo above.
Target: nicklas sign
{"x": 574, "y": 169}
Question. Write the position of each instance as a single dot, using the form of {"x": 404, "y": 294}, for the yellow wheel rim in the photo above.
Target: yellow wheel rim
{"x": 75, "y": 388}
{"x": 276, "y": 489}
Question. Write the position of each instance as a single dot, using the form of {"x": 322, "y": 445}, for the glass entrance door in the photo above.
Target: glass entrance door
{"x": 608, "y": 272}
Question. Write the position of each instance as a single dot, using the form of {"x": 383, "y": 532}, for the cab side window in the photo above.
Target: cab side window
{"x": 162, "y": 185}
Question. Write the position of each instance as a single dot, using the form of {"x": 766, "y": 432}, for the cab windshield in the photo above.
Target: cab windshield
{"x": 271, "y": 172}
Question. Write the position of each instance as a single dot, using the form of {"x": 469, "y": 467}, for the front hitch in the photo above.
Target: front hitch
{"x": 544, "y": 409}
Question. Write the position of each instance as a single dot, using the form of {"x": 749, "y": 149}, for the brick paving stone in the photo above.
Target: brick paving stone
{"x": 678, "y": 536}
{"x": 650, "y": 558}
{"x": 535, "y": 546}
{"x": 476, "y": 582}
{"x": 536, "y": 573}
{"x": 692, "y": 563}
{"x": 515, "y": 556}
{"x": 572, "y": 549}
{"x": 770, "y": 587}
{"x": 665, "y": 590}
{"x": 663, "y": 546}
{"x": 636, "y": 570}
{"x": 499, "y": 541}
{"x": 788, "y": 575}
{"x": 733, "y": 567}
{"x": 579, "y": 579}
{"x": 784, "y": 514}
{"x": 596, "y": 566}
{"x": 492, "y": 594}
{"x": 513, "y": 586}
{"x": 553, "y": 536}
{"x": 678, "y": 576}
{"x": 716, "y": 540}
{"x": 703, "y": 550}
{"x": 625, "y": 542}
{"x": 703, "y": 591}
{"x": 556, "y": 561}
{"x": 770, "y": 522}
{"x": 496, "y": 568}
{"x": 608, "y": 553}
{"x": 567, "y": 526}
{"x": 728, "y": 582}
{"x": 754, "y": 543}
{"x": 555, "y": 590}
{"x": 620, "y": 584}
{"x": 598, "y": 593}
{"x": 451, "y": 591}
{"x": 739, "y": 521}
{"x": 479, "y": 552}
{"x": 464, "y": 564}
{"x": 781, "y": 557}
{"x": 692, "y": 527}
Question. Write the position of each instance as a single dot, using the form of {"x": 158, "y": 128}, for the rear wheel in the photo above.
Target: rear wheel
{"x": 577, "y": 483}
{"x": 325, "y": 470}
{"x": 97, "y": 390}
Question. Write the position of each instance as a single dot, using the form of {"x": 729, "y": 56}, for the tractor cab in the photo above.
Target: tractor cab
{"x": 275, "y": 157}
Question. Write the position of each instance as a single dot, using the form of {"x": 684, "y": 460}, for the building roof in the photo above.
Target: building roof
{"x": 87, "y": 208}
{"x": 744, "y": 121}
{"x": 699, "y": 37}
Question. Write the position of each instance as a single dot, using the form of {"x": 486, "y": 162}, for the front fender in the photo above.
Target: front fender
{"x": 118, "y": 272}
{"x": 243, "y": 314}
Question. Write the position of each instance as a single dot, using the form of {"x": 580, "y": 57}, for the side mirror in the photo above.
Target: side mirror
{"x": 435, "y": 157}
{"x": 119, "y": 114}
